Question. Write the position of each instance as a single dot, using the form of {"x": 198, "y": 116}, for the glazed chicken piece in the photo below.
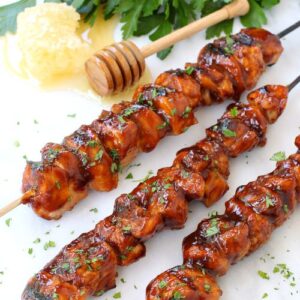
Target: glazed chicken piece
{"x": 56, "y": 184}
{"x": 222, "y": 240}
{"x": 198, "y": 173}
{"x": 225, "y": 69}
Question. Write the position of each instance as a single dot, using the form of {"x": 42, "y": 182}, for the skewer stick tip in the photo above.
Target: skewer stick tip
{"x": 5, "y": 210}
{"x": 294, "y": 83}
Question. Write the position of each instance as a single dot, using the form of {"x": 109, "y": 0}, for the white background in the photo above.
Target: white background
{"x": 23, "y": 102}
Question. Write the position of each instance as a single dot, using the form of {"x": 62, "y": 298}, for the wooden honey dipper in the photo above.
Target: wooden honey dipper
{"x": 120, "y": 65}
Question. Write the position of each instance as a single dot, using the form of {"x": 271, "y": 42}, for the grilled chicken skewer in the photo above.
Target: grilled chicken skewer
{"x": 88, "y": 265}
{"x": 92, "y": 155}
{"x": 250, "y": 217}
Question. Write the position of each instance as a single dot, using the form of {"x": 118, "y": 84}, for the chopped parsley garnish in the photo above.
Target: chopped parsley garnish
{"x": 265, "y": 295}
{"x": 66, "y": 267}
{"x": 173, "y": 112}
{"x": 213, "y": 229}
{"x": 189, "y": 70}
{"x": 133, "y": 165}
{"x": 117, "y": 295}
{"x": 154, "y": 93}
{"x": 207, "y": 287}
{"x": 283, "y": 270}
{"x": 17, "y": 144}
{"x": 37, "y": 241}
{"x": 114, "y": 167}
{"x": 54, "y": 296}
{"x": 50, "y": 244}
{"x": 177, "y": 296}
{"x": 58, "y": 184}
{"x": 8, "y": 221}
{"x": 122, "y": 280}
{"x": 35, "y": 121}
{"x": 71, "y": 115}
{"x": 162, "y": 284}
{"x": 92, "y": 143}
{"x": 127, "y": 229}
{"x": 99, "y": 293}
{"x": 94, "y": 210}
{"x": 128, "y": 111}
{"x": 263, "y": 275}
{"x": 114, "y": 154}
{"x": 229, "y": 45}
{"x": 228, "y": 133}
{"x": 129, "y": 176}
{"x": 184, "y": 174}
{"x": 99, "y": 154}
{"x": 285, "y": 208}
{"x": 167, "y": 185}
{"x": 146, "y": 177}
{"x": 269, "y": 201}
{"x": 212, "y": 214}
{"x": 206, "y": 157}
{"x": 162, "y": 125}
{"x": 278, "y": 156}
{"x": 186, "y": 112}
{"x": 30, "y": 251}
{"x": 121, "y": 119}
{"x": 234, "y": 111}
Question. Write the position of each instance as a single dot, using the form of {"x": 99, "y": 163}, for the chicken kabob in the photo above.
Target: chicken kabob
{"x": 88, "y": 265}
{"x": 250, "y": 217}
{"x": 92, "y": 156}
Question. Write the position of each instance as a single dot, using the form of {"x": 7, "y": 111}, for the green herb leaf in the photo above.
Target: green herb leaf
{"x": 163, "y": 29}
{"x": 162, "y": 284}
{"x": 129, "y": 176}
{"x": 207, "y": 287}
{"x": 189, "y": 70}
{"x": 146, "y": 177}
{"x": 71, "y": 115}
{"x": 228, "y": 133}
{"x": 99, "y": 154}
{"x": 117, "y": 295}
{"x": 269, "y": 201}
{"x": 9, "y": 13}
{"x": 213, "y": 228}
{"x": 110, "y": 8}
{"x": 234, "y": 111}
{"x": 50, "y": 244}
{"x": 216, "y": 30}
{"x": 177, "y": 296}
{"x": 37, "y": 241}
{"x": 130, "y": 19}
{"x": 278, "y": 156}
{"x": 256, "y": 16}
{"x": 269, "y": 3}
{"x": 263, "y": 275}
{"x": 8, "y": 221}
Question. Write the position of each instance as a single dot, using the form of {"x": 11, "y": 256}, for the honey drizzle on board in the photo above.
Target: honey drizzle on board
{"x": 98, "y": 36}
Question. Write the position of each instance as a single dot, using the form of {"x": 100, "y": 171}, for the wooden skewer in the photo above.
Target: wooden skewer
{"x": 9, "y": 207}
{"x": 120, "y": 65}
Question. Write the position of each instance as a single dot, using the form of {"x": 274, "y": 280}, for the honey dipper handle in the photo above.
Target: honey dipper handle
{"x": 234, "y": 9}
